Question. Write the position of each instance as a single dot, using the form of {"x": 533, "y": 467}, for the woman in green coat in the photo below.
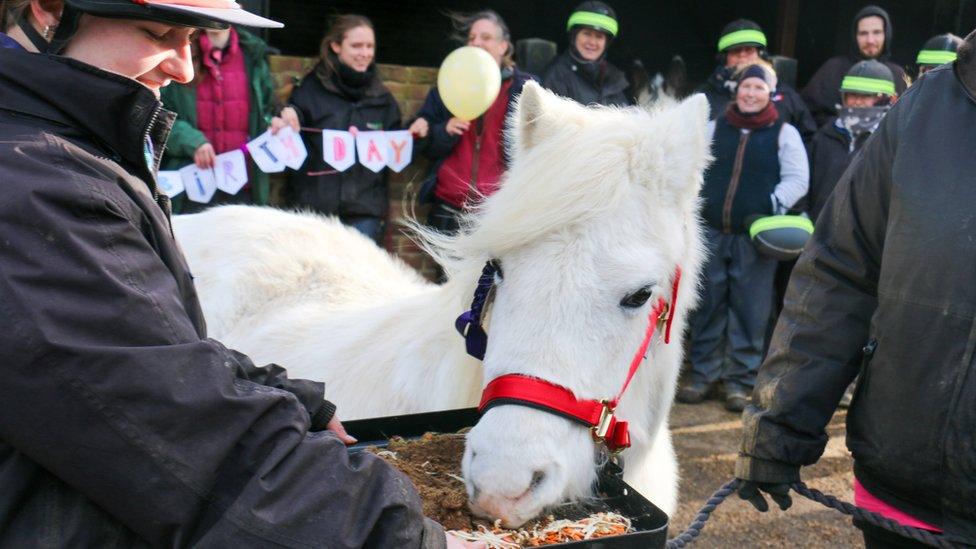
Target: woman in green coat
{"x": 230, "y": 102}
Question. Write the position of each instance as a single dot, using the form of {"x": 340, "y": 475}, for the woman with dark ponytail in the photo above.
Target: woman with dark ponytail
{"x": 343, "y": 92}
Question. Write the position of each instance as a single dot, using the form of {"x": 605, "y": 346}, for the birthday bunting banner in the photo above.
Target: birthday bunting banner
{"x": 273, "y": 153}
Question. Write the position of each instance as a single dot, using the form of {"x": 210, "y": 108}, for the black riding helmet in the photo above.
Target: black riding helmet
{"x": 593, "y": 15}
{"x": 939, "y": 50}
{"x": 207, "y": 14}
{"x": 869, "y": 77}
{"x": 742, "y": 32}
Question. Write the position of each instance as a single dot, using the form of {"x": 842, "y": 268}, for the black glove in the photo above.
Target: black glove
{"x": 761, "y": 475}
{"x": 752, "y": 492}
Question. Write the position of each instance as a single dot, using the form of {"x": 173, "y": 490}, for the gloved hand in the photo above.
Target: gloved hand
{"x": 752, "y": 492}
{"x": 772, "y": 477}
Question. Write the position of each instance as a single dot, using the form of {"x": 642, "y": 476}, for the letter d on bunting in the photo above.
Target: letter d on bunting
{"x": 338, "y": 149}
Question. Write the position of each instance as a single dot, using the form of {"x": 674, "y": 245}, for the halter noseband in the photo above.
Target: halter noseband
{"x": 537, "y": 393}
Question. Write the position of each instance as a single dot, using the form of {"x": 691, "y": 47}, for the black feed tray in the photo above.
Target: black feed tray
{"x": 650, "y": 523}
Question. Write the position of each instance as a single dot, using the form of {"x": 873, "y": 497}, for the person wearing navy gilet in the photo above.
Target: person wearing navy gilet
{"x": 760, "y": 169}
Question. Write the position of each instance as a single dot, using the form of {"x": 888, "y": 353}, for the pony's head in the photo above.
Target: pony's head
{"x": 597, "y": 210}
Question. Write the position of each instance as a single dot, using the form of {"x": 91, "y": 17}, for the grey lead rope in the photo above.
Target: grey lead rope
{"x": 917, "y": 534}
{"x": 693, "y": 530}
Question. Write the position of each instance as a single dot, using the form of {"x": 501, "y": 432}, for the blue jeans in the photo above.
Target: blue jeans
{"x": 728, "y": 329}
{"x": 370, "y": 226}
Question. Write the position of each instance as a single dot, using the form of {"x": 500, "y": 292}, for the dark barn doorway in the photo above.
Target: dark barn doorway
{"x": 416, "y": 33}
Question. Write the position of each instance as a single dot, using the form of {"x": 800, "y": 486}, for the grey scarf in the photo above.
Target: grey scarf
{"x": 860, "y": 122}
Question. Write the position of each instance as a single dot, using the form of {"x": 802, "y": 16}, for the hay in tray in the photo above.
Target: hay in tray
{"x": 433, "y": 464}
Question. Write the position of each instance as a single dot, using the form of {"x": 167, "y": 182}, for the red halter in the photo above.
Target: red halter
{"x": 598, "y": 415}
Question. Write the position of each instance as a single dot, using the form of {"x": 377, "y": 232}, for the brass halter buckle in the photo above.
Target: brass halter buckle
{"x": 663, "y": 316}
{"x": 602, "y": 426}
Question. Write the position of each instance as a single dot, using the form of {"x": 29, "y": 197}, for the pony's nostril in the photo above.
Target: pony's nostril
{"x": 537, "y": 478}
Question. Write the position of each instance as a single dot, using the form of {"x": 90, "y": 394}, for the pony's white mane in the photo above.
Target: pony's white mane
{"x": 537, "y": 196}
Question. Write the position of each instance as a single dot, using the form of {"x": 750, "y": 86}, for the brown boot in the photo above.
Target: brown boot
{"x": 692, "y": 393}
{"x": 736, "y": 400}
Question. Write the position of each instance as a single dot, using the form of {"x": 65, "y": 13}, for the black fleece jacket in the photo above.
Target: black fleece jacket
{"x": 890, "y": 267}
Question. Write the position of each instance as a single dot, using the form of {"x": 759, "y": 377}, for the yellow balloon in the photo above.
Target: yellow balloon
{"x": 468, "y": 82}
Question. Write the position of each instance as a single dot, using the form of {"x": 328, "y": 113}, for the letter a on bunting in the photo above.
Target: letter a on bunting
{"x": 372, "y": 150}
{"x": 338, "y": 149}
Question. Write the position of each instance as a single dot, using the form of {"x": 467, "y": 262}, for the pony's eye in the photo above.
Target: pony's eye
{"x": 636, "y": 299}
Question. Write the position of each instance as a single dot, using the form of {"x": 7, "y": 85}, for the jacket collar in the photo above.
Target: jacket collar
{"x": 965, "y": 64}
{"x": 117, "y": 114}
{"x": 374, "y": 89}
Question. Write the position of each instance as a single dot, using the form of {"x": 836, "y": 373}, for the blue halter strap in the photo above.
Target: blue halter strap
{"x": 468, "y": 324}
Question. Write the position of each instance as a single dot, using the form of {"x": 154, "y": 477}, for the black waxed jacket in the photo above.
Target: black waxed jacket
{"x": 830, "y": 153}
{"x": 891, "y": 266}
{"x": 121, "y": 423}
{"x": 598, "y": 83}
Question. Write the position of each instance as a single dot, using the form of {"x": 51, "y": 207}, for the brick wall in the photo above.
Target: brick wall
{"x": 410, "y": 86}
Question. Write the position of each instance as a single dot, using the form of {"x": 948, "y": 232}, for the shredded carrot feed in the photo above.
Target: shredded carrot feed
{"x": 549, "y": 531}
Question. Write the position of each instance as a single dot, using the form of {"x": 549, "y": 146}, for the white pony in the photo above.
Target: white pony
{"x": 597, "y": 210}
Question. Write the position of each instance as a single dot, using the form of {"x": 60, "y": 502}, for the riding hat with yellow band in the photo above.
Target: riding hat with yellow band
{"x": 593, "y": 15}
{"x": 741, "y": 33}
{"x": 207, "y": 14}
{"x": 780, "y": 237}
{"x": 939, "y": 50}
{"x": 869, "y": 77}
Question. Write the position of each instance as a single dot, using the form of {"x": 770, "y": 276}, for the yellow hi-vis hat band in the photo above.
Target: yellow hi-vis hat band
{"x": 780, "y": 222}
{"x": 935, "y": 57}
{"x": 747, "y": 36}
{"x": 590, "y": 19}
{"x": 863, "y": 84}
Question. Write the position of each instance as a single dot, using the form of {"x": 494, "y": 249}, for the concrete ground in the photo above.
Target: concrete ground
{"x": 706, "y": 438}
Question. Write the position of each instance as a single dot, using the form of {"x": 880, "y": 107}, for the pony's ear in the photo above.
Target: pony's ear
{"x": 530, "y": 124}
{"x": 687, "y": 146}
